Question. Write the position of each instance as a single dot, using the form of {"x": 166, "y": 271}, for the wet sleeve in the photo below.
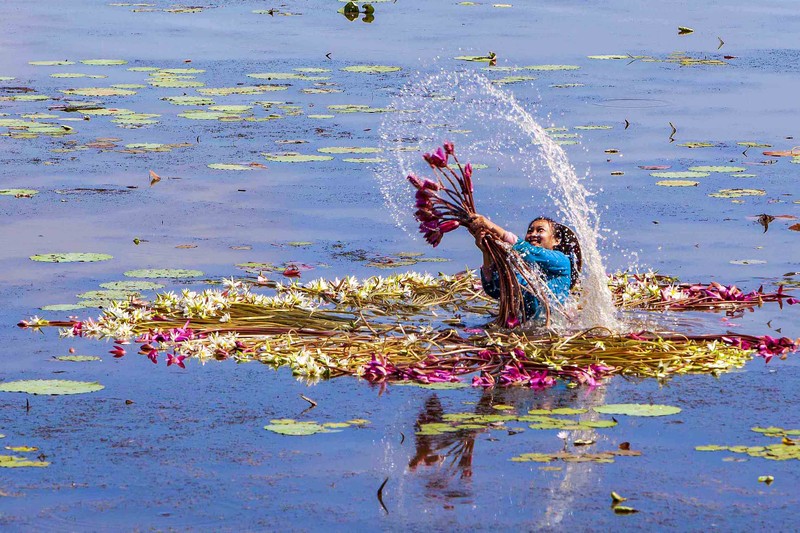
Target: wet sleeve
{"x": 553, "y": 262}
{"x": 491, "y": 283}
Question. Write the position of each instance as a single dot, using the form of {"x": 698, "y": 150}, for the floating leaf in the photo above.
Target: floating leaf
{"x": 50, "y": 386}
{"x": 349, "y": 150}
{"x": 163, "y": 273}
{"x": 62, "y": 307}
{"x": 678, "y": 183}
{"x": 766, "y": 479}
{"x": 188, "y": 100}
{"x": 72, "y": 257}
{"x": 103, "y": 62}
{"x": 98, "y": 91}
{"x": 371, "y": 69}
{"x": 737, "y": 193}
{"x": 636, "y": 409}
{"x": 700, "y": 144}
{"x": 10, "y": 461}
{"x": 680, "y": 175}
{"x": 717, "y": 169}
{"x": 76, "y": 75}
{"x": 621, "y": 509}
{"x": 51, "y": 63}
{"x": 18, "y": 192}
{"x": 78, "y": 358}
{"x": 22, "y": 449}
{"x": 227, "y": 166}
{"x": 594, "y": 127}
{"x": 610, "y": 57}
{"x": 294, "y": 157}
{"x": 683, "y": 30}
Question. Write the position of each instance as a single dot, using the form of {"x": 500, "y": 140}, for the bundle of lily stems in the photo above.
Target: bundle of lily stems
{"x": 408, "y": 327}
{"x": 447, "y": 202}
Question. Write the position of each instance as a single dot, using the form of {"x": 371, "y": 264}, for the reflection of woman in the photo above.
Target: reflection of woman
{"x": 549, "y": 246}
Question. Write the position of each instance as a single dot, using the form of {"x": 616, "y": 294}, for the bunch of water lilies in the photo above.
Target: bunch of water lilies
{"x": 447, "y": 202}
{"x": 404, "y": 327}
{"x": 656, "y": 292}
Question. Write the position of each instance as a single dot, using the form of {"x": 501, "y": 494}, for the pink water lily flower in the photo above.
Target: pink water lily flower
{"x": 117, "y": 352}
{"x": 173, "y": 359}
{"x": 436, "y": 159}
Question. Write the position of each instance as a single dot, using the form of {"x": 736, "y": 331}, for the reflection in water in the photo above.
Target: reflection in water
{"x": 445, "y": 461}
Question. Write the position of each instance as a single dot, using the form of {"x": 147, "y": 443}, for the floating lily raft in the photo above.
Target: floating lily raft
{"x": 410, "y": 327}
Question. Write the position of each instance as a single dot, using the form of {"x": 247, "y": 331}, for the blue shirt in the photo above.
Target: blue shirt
{"x": 557, "y": 272}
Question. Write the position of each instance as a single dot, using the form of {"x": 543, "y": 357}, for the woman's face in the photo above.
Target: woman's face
{"x": 540, "y": 233}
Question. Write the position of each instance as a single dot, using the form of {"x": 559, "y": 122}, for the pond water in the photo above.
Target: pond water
{"x": 168, "y": 448}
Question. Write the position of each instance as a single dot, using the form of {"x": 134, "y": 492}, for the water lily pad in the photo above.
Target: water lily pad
{"x": 513, "y": 79}
{"x": 229, "y": 166}
{"x": 78, "y": 358}
{"x": 700, "y": 144}
{"x": 678, "y": 183}
{"x": 550, "y": 67}
{"x": 321, "y": 116}
{"x": 163, "y": 273}
{"x": 51, "y": 63}
{"x": 11, "y": 461}
{"x": 174, "y": 83}
{"x": 680, "y": 175}
{"x": 717, "y": 169}
{"x": 104, "y": 62}
{"x": 76, "y": 75}
{"x": 294, "y": 157}
{"x": 98, "y": 91}
{"x": 51, "y": 386}
{"x": 188, "y": 100}
{"x": 636, "y": 409}
{"x": 297, "y": 429}
{"x": 22, "y": 449}
{"x": 18, "y": 192}
{"x": 737, "y": 193}
{"x": 371, "y": 69}
{"x": 106, "y": 294}
{"x": 71, "y": 257}
{"x": 594, "y": 127}
{"x": 62, "y": 307}
{"x": 349, "y": 150}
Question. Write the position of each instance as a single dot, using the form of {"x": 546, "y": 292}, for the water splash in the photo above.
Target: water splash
{"x": 521, "y": 172}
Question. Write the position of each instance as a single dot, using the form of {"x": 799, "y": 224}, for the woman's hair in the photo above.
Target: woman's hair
{"x": 568, "y": 245}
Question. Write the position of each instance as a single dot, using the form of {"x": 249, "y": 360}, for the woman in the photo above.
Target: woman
{"x": 549, "y": 246}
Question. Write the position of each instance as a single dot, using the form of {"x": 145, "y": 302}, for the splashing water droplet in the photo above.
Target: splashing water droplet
{"x": 526, "y": 173}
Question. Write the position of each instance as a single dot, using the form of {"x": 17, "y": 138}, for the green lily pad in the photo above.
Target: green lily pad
{"x": 594, "y": 127}
{"x": 98, "y": 91}
{"x": 737, "y": 193}
{"x": 78, "y": 358}
{"x": 710, "y": 448}
{"x": 51, "y": 63}
{"x": 51, "y": 386}
{"x": 297, "y": 429}
{"x": 199, "y": 114}
{"x": 163, "y": 273}
{"x": 76, "y": 75}
{"x": 11, "y": 461}
{"x": 106, "y": 294}
{"x": 129, "y": 86}
{"x": 62, "y": 307}
{"x": 680, "y": 175}
{"x": 170, "y": 83}
{"x": 505, "y": 80}
{"x": 104, "y": 62}
{"x": 294, "y": 157}
{"x": 717, "y": 169}
{"x": 678, "y": 183}
{"x": 228, "y": 166}
{"x": 371, "y": 69}
{"x": 636, "y": 409}
{"x": 752, "y": 144}
{"x": 321, "y": 116}
{"x": 71, "y": 257}
{"x": 18, "y": 192}
{"x": 700, "y": 144}
{"x": 188, "y": 100}
{"x": 349, "y": 150}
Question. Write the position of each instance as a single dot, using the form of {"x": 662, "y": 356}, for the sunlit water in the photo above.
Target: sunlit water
{"x": 490, "y": 127}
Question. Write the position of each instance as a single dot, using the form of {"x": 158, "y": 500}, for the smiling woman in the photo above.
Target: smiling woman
{"x": 551, "y": 248}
